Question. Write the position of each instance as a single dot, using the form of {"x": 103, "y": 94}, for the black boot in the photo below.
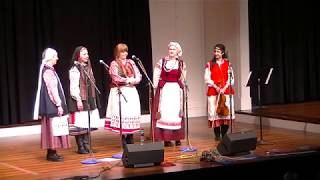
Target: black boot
{"x": 53, "y": 156}
{"x": 129, "y": 139}
{"x": 178, "y": 142}
{"x": 124, "y": 141}
{"x": 217, "y": 133}
{"x": 80, "y": 144}
{"x": 224, "y": 130}
{"x": 86, "y": 143}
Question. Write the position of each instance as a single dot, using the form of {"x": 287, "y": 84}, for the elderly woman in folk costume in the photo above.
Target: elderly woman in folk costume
{"x": 125, "y": 76}
{"x": 51, "y": 108}
{"x": 219, "y": 78}
{"x": 83, "y": 99}
{"x": 169, "y": 77}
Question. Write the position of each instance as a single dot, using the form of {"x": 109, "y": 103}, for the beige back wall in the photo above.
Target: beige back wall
{"x": 197, "y": 25}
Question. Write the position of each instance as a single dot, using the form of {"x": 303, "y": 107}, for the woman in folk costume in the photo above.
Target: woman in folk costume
{"x": 51, "y": 108}
{"x": 125, "y": 76}
{"x": 217, "y": 76}
{"x": 83, "y": 98}
{"x": 169, "y": 77}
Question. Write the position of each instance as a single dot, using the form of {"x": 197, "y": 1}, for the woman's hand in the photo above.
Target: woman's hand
{"x": 130, "y": 80}
{"x": 218, "y": 89}
{"x": 60, "y": 111}
{"x": 80, "y": 105}
{"x": 223, "y": 89}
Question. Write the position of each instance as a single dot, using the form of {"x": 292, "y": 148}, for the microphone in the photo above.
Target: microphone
{"x": 103, "y": 63}
{"x": 135, "y": 58}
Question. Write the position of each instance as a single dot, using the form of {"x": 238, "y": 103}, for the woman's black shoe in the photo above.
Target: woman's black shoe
{"x": 178, "y": 143}
{"x": 53, "y": 156}
{"x": 168, "y": 143}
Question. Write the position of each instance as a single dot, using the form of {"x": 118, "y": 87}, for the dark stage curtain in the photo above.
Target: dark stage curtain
{"x": 285, "y": 35}
{"x": 28, "y": 27}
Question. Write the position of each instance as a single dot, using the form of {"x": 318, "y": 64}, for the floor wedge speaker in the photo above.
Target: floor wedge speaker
{"x": 237, "y": 143}
{"x": 142, "y": 155}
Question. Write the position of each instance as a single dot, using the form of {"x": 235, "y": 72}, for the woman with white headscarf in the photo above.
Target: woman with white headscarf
{"x": 169, "y": 77}
{"x": 51, "y": 108}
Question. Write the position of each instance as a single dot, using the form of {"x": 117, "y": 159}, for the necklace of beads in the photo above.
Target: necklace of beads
{"x": 172, "y": 66}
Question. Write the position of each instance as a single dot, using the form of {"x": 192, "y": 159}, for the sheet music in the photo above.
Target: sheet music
{"x": 269, "y": 75}
{"x": 248, "y": 78}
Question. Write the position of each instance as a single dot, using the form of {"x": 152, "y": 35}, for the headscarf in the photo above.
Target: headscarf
{"x": 177, "y": 45}
{"x": 88, "y": 68}
{"x": 47, "y": 55}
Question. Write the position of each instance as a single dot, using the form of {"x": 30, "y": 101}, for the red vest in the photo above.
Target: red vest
{"x": 219, "y": 75}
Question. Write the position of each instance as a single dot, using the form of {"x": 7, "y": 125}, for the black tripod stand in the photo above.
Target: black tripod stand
{"x": 256, "y": 79}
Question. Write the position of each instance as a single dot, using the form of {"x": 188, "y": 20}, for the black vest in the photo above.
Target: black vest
{"x": 46, "y": 107}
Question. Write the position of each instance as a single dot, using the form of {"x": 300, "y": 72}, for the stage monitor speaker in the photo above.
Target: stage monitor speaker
{"x": 237, "y": 143}
{"x": 142, "y": 155}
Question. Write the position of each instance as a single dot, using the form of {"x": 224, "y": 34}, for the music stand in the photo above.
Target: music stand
{"x": 258, "y": 78}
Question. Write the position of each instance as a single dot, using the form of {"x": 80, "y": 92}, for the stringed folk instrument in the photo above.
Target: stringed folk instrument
{"x": 222, "y": 108}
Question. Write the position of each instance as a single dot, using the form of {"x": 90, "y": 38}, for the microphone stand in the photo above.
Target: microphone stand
{"x": 119, "y": 155}
{"x": 230, "y": 96}
{"x": 151, "y": 86}
{"x": 186, "y": 115}
{"x": 88, "y": 79}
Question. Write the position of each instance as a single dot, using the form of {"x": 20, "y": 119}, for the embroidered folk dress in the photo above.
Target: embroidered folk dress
{"x": 168, "y": 101}
{"x": 81, "y": 118}
{"x": 218, "y": 74}
{"x": 49, "y": 96}
{"x": 130, "y": 101}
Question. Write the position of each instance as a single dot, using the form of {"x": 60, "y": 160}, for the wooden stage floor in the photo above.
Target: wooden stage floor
{"x": 21, "y": 157}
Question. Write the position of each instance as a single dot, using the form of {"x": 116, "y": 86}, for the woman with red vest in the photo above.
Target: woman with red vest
{"x": 219, "y": 79}
{"x": 169, "y": 77}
